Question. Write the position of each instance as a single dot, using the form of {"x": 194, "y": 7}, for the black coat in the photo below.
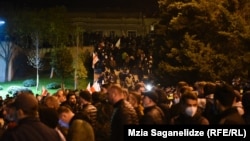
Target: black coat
{"x": 230, "y": 116}
{"x": 152, "y": 116}
{"x": 123, "y": 114}
{"x": 31, "y": 129}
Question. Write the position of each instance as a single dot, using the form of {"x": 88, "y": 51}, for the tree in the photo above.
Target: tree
{"x": 34, "y": 60}
{"x": 7, "y": 51}
{"x": 204, "y": 38}
{"x": 38, "y": 28}
{"x": 80, "y": 70}
{"x": 61, "y": 61}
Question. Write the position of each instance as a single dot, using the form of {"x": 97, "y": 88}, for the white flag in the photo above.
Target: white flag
{"x": 118, "y": 43}
{"x": 96, "y": 87}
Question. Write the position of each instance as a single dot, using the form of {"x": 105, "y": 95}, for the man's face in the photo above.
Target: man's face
{"x": 191, "y": 102}
{"x": 72, "y": 99}
{"x": 61, "y": 97}
{"x": 64, "y": 117}
{"x": 145, "y": 101}
{"x": 191, "y": 107}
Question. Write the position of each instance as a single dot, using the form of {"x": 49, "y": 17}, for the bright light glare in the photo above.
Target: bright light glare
{"x": 2, "y": 22}
{"x": 149, "y": 87}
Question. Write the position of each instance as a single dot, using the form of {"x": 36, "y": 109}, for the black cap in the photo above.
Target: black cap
{"x": 152, "y": 95}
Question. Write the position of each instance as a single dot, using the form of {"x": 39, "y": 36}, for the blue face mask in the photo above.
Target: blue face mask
{"x": 63, "y": 124}
{"x": 176, "y": 100}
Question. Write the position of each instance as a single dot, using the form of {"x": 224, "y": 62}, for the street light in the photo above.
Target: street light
{"x": 2, "y": 22}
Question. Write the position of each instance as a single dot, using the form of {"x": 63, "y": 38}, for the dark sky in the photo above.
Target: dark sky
{"x": 148, "y": 7}
{"x": 85, "y": 3}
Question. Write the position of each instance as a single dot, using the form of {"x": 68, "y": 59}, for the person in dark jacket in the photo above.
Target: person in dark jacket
{"x": 246, "y": 106}
{"x": 190, "y": 111}
{"x": 29, "y": 127}
{"x": 123, "y": 113}
{"x": 87, "y": 107}
{"x": 79, "y": 125}
{"x": 153, "y": 114}
{"x": 224, "y": 97}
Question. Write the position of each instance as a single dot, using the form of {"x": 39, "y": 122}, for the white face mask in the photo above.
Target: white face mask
{"x": 191, "y": 110}
{"x": 176, "y": 100}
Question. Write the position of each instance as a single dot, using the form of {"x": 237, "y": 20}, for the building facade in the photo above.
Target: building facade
{"x": 114, "y": 23}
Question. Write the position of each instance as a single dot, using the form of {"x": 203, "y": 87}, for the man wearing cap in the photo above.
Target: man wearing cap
{"x": 29, "y": 127}
{"x": 153, "y": 114}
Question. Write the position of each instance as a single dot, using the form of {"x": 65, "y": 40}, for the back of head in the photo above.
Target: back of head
{"x": 64, "y": 109}
{"x": 225, "y": 94}
{"x": 48, "y": 116}
{"x": 181, "y": 84}
{"x": 26, "y": 102}
{"x": 200, "y": 84}
{"x": 184, "y": 89}
{"x": 162, "y": 95}
{"x": 152, "y": 95}
{"x": 188, "y": 95}
{"x": 85, "y": 94}
{"x": 116, "y": 88}
{"x": 138, "y": 86}
{"x": 52, "y": 102}
{"x": 134, "y": 96}
{"x": 209, "y": 88}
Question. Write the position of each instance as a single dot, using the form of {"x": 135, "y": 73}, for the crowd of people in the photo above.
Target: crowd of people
{"x": 123, "y": 99}
{"x": 72, "y": 115}
{"x": 126, "y": 63}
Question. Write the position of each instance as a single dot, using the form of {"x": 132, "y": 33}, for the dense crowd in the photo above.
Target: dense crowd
{"x": 72, "y": 115}
{"x": 123, "y": 99}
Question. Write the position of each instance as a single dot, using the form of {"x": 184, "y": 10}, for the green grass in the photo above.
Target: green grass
{"x": 44, "y": 81}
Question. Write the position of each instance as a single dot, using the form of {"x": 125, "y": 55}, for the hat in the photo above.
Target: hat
{"x": 26, "y": 102}
{"x": 85, "y": 95}
{"x": 152, "y": 95}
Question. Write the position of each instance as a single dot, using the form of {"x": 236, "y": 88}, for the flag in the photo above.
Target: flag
{"x": 118, "y": 43}
{"x": 95, "y": 59}
{"x": 88, "y": 87}
{"x": 123, "y": 33}
{"x": 94, "y": 88}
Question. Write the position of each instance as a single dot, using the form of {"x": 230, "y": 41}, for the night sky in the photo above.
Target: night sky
{"x": 76, "y": 4}
{"x": 148, "y": 7}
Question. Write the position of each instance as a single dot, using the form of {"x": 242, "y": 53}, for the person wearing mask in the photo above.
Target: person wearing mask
{"x": 190, "y": 113}
{"x": 80, "y": 128}
{"x": 175, "y": 109}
